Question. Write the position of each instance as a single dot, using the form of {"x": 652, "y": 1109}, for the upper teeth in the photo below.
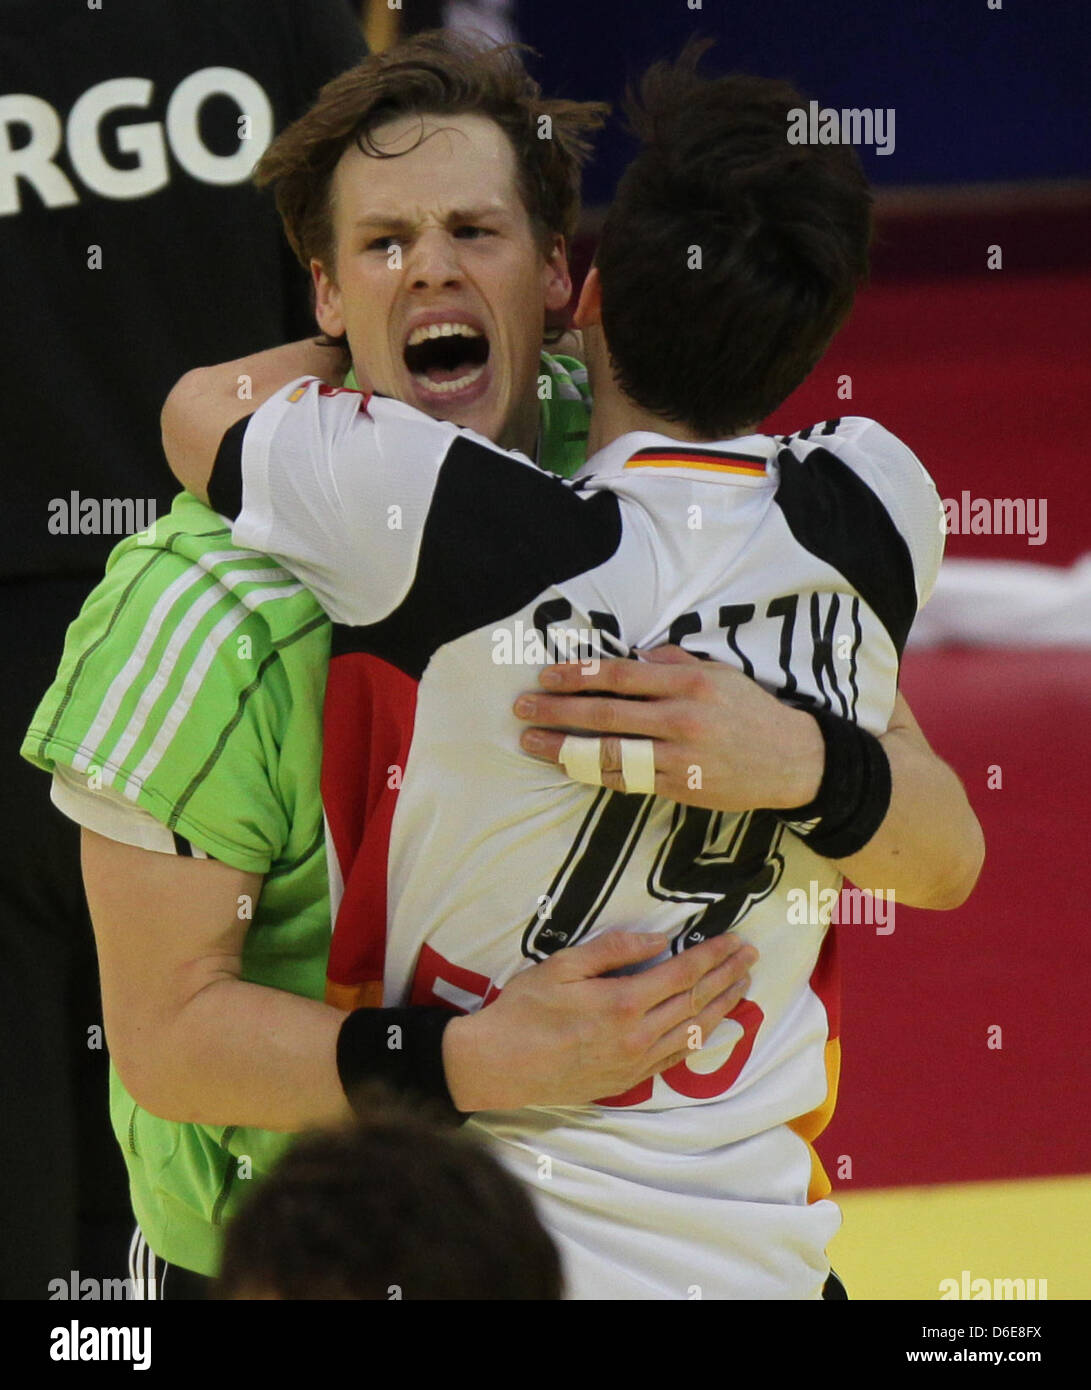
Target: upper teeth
{"x": 442, "y": 330}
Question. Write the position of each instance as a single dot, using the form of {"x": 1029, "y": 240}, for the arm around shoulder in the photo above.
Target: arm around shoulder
{"x": 206, "y": 402}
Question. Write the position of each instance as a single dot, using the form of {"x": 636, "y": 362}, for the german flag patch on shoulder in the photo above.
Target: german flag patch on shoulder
{"x": 712, "y": 460}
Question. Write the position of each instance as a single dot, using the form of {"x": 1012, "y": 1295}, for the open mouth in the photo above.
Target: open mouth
{"x": 446, "y": 357}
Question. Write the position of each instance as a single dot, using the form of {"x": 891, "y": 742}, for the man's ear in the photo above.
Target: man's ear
{"x": 589, "y": 309}
{"x": 327, "y": 302}
{"x": 557, "y": 282}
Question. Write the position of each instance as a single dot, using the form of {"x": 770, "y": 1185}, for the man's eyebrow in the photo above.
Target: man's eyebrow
{"x": 378, "y": 219}
{"x": 478, "y": 214}
{"x": 393, "y": 222}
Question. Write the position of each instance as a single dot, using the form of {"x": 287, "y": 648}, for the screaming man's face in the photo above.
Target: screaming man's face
{"x": 451, "y": 321}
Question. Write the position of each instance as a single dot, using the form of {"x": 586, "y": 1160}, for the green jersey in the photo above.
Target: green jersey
{"x": 192, "y": 684}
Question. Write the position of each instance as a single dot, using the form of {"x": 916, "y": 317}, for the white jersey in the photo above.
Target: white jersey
{"x": 454, "y": 571}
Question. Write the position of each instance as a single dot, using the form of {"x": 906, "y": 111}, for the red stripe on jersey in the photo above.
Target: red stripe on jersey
{"x": 826, "y": 981}
{"x": 826, "y": 984}
{"x": 368, "y": 727}
{"x": 325, "y": 389}
{"x": 434, "y": 975}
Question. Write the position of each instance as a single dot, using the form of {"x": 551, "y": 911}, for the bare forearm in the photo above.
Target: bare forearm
{"x": 929, "y": 849}
{"x": 243, "y": 1054}
{"x": 249, "y": 381}
{"x": 246, "y": 1055}
{"x": 559, "y": 1035}
{"x": 195, "y": 1044}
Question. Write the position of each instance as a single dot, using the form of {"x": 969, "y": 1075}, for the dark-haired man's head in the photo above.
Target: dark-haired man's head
{"x": 729, "y": 257}
{"x": 430, "y": 191}
{"x": 392, "y": 1208}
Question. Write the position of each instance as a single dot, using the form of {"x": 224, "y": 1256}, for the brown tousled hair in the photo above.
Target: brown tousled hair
{"x": 437, "y": 74}
{"x": 782, "y": 232}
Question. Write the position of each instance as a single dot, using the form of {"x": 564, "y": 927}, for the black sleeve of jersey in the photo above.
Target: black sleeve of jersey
{"x": 225, "y": 484}
{"x": 498, "y": 533}
{"x": 835, "y": 515}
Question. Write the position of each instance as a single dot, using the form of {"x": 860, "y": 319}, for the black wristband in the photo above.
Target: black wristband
{"x": 402, "y": 1048}
{"x": 853, "y": 796}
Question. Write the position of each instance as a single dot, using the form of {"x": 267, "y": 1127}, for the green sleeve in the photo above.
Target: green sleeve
{"x": 175, "y": 689}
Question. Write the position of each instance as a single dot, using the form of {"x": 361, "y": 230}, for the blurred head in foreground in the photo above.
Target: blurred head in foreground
{"x": 391, "y": 1207}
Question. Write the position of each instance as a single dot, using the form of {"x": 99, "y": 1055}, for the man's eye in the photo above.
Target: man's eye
{"x": 470, "y": 233}
{"x": 383, "y": 243}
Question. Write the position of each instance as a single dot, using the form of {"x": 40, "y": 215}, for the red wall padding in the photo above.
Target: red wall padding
{"x": 923, "y": 1098}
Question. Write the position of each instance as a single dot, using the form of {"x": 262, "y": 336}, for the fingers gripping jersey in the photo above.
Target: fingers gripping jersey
{"x": 455, "y": 571}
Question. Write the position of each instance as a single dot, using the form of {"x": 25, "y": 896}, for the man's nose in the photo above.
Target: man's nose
{"x": 433, "y": 260}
